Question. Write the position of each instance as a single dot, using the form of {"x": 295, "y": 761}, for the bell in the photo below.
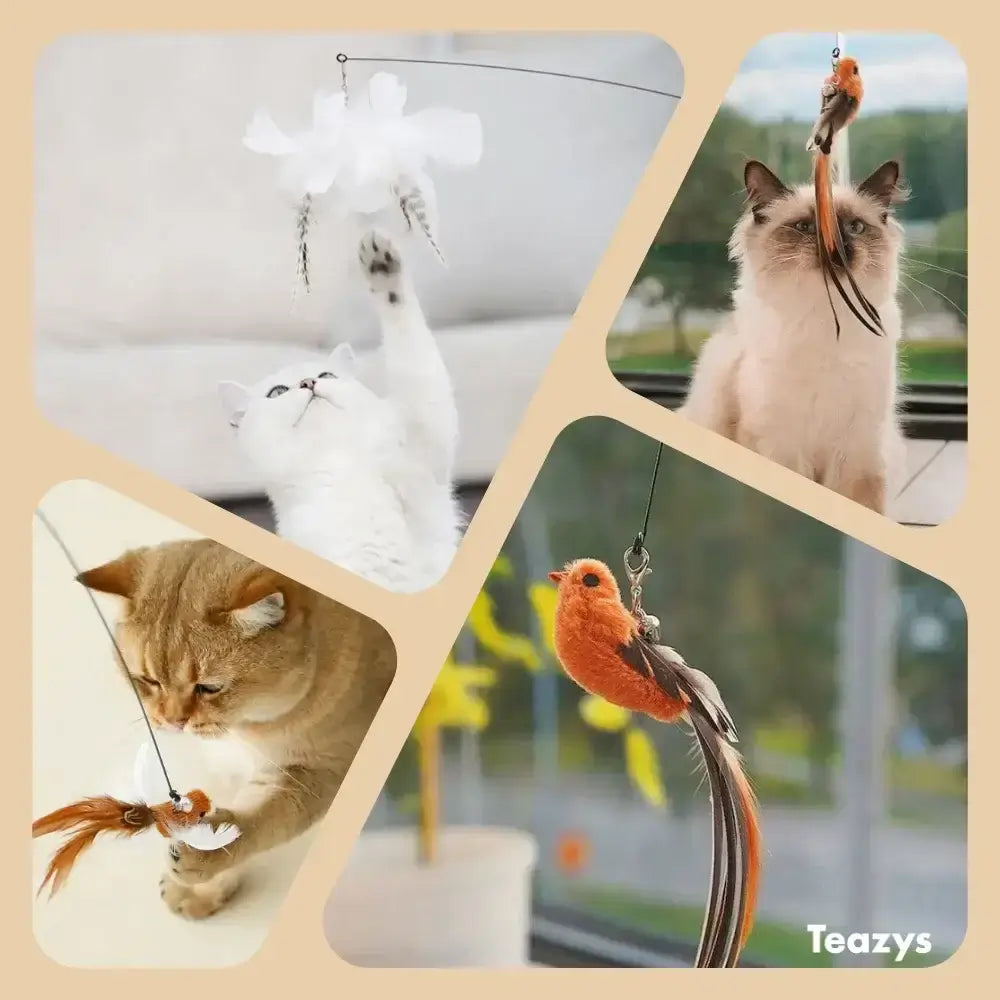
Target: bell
{"x": 649, "y": 628}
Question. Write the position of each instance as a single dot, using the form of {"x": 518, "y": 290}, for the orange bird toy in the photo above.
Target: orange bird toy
{"x": 840, "y": 103}
{"x": 616, "y": 654}
{"x": 183, "y": 817}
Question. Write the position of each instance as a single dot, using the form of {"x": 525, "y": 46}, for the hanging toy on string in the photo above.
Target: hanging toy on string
{"x": 186, "y": 818}
{"x": 181, "y": 817}
{"x": 615, "y": 653}
{"x": 369, "y": 156}
{"x": 840, "y": 103}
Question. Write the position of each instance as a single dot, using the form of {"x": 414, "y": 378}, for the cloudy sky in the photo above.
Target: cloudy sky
{"x": 781, "y": 76}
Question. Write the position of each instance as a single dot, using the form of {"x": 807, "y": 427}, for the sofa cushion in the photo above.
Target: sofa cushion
{"x": 157, "y": 405}
{"x": 154, "y": 225}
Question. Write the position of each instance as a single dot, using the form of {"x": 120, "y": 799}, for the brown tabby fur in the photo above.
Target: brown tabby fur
{"x": 300, "y": 678}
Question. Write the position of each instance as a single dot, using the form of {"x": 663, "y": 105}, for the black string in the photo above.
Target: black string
{"x": 640, "y": 539}
{"x": 343, "y": 58}
{"x": 114, "y": 642}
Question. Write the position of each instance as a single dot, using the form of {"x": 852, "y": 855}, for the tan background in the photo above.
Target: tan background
{"x": 86, "y": 725}
{"x": 711, "y": 41}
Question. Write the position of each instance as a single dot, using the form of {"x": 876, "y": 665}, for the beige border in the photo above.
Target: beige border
{"x": 710, "y": 40}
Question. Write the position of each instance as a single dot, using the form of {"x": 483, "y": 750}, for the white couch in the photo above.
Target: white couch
{"x": 165, "y": 252}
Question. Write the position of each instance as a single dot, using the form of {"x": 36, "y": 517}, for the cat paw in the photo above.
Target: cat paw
{"x": 382, "y": 266}
{"x": 190, "y": 866}
{"x": 198, "y": 902}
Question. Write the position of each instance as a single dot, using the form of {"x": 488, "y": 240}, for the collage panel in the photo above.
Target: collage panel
{"x": 683, "y": 724}
{"x": 317, "y": 278}
{"x": 194, "y": 714}
{"x": 744, "y": 317}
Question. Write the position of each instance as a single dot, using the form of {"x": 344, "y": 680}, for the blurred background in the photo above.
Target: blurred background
{"x": 845, "y": 671}
{"x": 915, "y": 111}
{"x": 165, "y": 252}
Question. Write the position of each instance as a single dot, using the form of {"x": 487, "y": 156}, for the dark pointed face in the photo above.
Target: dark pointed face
{"x": 776, "y": 240}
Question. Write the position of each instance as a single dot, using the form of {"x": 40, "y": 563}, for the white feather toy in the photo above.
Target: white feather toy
{"x": 365, "y": 158}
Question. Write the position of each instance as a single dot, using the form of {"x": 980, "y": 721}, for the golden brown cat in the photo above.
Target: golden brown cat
{"x": 220, "y": 645}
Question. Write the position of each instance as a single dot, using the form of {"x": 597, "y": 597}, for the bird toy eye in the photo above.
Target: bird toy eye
{"x": 590, "y": 580}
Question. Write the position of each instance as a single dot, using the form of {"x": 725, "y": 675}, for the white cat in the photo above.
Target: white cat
{"x": 776, "y": 378}
{"x": 361, "y": 479}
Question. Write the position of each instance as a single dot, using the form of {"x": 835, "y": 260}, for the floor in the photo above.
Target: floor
{"x": 935, "y": 482}
{"x": 86, "y": 729}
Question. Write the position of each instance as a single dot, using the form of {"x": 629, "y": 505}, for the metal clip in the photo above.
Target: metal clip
{"x": 342, "y": 59}
{"x": 649, "y": 625}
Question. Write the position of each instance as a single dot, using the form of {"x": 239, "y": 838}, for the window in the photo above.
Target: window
{"x": 681, "y": 294}
{"x": 682, "y": 289}
{"x": 761, "y": 597}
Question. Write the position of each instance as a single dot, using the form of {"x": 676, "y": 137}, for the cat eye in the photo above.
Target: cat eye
{"x": 276, "y": 391}
{"x": 856, "y": 227}
{"x": 147, "y": 681}
{"x": 207, "y": 688}
{"x": 805, "y": 226}
{"x": 590, "y": 580}
{"x": 326, "y": 375}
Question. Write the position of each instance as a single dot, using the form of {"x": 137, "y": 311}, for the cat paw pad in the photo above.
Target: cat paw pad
{"x": 381, "y": 264}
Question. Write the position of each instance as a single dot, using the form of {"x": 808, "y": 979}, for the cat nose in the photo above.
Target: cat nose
{"x": 307, "y": 383}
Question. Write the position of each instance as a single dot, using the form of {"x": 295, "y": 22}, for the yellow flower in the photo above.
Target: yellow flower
{"x": 643, "y": 767}
{"x": 601, "y": 714}
{"x": 454, "y": 700}
{"x": 502, "y": 567}
{"x": 503, "y": 645}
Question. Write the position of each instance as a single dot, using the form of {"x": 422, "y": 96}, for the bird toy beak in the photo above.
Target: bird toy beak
{"x": 556, "y": 576}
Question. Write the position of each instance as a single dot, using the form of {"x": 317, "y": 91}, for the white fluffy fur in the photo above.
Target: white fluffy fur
{"x": 361, "y": 479}
{"x": 777, "y": 379}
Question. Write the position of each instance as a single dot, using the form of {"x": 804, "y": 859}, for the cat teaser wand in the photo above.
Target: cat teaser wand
{"x": 840, "y": 102}
{"x": 181, "y": 817}
{"x": 615, "y": 653}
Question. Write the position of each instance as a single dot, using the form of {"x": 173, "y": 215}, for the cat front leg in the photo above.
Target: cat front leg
{"x": 868, "y": 489}
{"x": 861, "y": 481}
{"x": 712, "y": 400}
{"x": 418, "y": 382}
{"x": 275, "y": 807}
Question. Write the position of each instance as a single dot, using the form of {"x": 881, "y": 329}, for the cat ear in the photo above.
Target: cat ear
{"x": 234, "y": 398}
{"x": 762, "y": 185}
{"x": 883, "y": 185}
{"x": 259, "y": 604}
{"x": 342, "y": 360}
{"x": 117, "y": 577}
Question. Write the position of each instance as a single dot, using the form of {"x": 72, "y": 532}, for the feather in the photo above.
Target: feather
{"x": 147, "y": 778}
{"x": 829, "y": 242}
{"x": 205, "y": 837}
{"x": 418, "y": 203}
{"x": 88, "y": 818}
{"x": 263, "y": 136}
{"x": 736, "y": 827}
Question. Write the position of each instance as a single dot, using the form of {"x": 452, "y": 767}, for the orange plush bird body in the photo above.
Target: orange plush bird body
{"x": 840, "y": 103}
{"x": 614, "y": 653}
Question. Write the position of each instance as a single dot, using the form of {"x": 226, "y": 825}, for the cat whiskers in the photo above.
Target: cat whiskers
{"x": 933, "y": 267}
{"x": 939, "y": 293}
